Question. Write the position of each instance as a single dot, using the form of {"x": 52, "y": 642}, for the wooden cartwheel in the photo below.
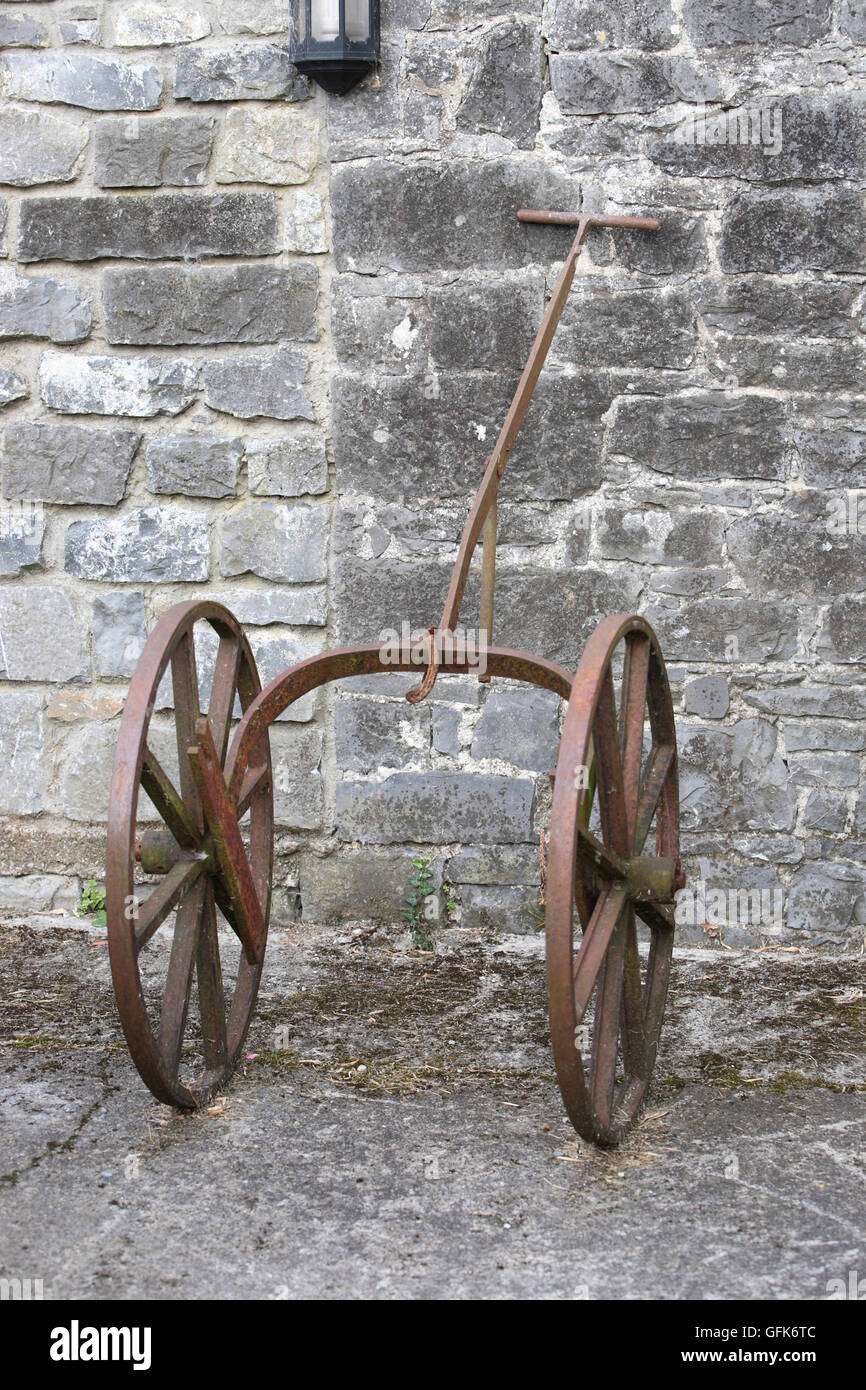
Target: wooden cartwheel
{"x": 190, "y": 829}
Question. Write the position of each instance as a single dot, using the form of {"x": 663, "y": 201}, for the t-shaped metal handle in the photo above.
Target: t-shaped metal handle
{"x": 589, "y": 219}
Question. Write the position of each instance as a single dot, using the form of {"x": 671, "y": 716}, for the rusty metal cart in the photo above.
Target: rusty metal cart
{"x": 207, "y": 836}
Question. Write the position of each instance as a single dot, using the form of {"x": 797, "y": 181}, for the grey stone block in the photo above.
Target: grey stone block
{"x": 242, "y": 72}
{"x": 729, "y": 24}
{"x": 635, "y": 329}
{"x": 695, "y": 538}
{"x": 490, "y": 326}
{"x": 826, "y": 898}
{"x": 306, "y": 222}
{"x": 82, "y": 26}
{"x": 852, "y": 20}
{"x": 741, "y": 898}
{"x": 119, "y": 633}
{"x": 687, "y": 583}
{"x": 258, "y": 385}
{"x": 152, "y": 25}
{"x": 287, "y": 467}
{"x": 594, "y": 84}
{"x": 296, "y": 754}
{"x": 707, "y": 697}
{"x": 303, "y": 607}
{"x": 67, "y": 464}
{"x": 734, "y": 780}
{"x": 80, "y": 79}
{"x": 519, "y": 727}
{"x": 503, "y": 95}
{"x": 489, "y": 864}
{"x": 825, "y": 769}
{"x": 18, "y": 30}
{"x": 135, "y": 386}
{"x": 29, "y": 893}
{"x": 83, "y": 779}
{"x": 32, "y": 307}
{"x": 173, "y": 150}
{"x": 804, "y": 701}
{"x": 727, "y": 629}
{"x": 366, "y": 885}
{"x": 42, "y": 637}
{"x": 679, "y": 246}
{"x": 151, "y": 544}
{"x": 240, "y": 304}
{"x": 624, "y": 533}
{"x": 403, "y": 437}
{"x": 36, "y": 147}
{"x": 255, "y": 16}
{"x": 424, "y": 807}
{"x": 372, "y": 329}
{"x": 780, "y": 557}
{"x": 196, "y": 465}
{"x": 393, "y": 216}
{"x": 22, "y": 769}
{"x": 22, "y": 532}
{"x": 370, "y": 735}
{"x": 794, "y": 229}
{"x": 768, "y": 307}
{"x": 499, "y": 908}
{"x": 826, "y": 812}
{"x": 780, "y": 139}
{"x": 704, "y": 436}
{"x": 271, "y": 144}
{"x": 843, "y": 632}
{"x": 833, "y": 454}
{"x": 645, "y": 24}
{"x": 12, "y": 387}
{"x": 156, "y": 226}
{"x": 275, "y": 541}
{"x": 446, "y": 730}
{"x": 433, "y": 58}
{"x": 803, "y": 366}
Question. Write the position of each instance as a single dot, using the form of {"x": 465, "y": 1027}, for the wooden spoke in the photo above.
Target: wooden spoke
{"x": 657, "y": 915}
{"x": 634, "y": 1022}
{"x": 224, "y": 693}
{"x": 231, "y": 854}
{"x": 586, "y": 803}
{"x": 661, "y": 759}
{"x": 606, "y": 875}
{"x": 594, "y": 946}
{"x": 168, "y": 803}
{"x": 175, "y": 1000}
{"x": 632, "y": 713}
{"x": 606, "y": 1026}
{"x": 611, "y": 806}
{"x": 608, "y": 863}
{"x": 184, "y": 679}
{"x": 164, "y": 898}
{"x": 210, "y": 989}
{"x": 255, "y": 780}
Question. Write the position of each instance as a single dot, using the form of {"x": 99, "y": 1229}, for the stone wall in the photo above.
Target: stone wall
{"x": 258, "y": 342}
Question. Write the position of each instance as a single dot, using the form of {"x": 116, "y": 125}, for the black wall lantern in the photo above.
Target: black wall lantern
{"x": 336, "y": 41}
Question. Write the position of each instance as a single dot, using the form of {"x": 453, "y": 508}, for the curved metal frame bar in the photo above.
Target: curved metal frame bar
{"x": 343, "y": 662}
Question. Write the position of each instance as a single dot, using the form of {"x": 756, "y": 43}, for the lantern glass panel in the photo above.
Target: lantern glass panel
{"x": 357, "y": 20}
{"x": 325, "y": 20}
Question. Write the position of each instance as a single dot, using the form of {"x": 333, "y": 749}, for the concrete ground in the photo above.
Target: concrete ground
{"x": 396, "y": 1132}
